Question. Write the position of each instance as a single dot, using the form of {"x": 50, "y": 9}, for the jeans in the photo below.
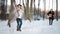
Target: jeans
{"x": 50, "y": 21}
{"x": 19, "y": 23}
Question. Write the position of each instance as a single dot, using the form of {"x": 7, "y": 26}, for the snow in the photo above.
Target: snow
{"x": 33, "y": 27}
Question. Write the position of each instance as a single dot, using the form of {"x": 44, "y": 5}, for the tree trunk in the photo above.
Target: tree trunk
{"x": 3, "y": 10}
{"x": 11, "y": 14}
{"x": 44, "y": 9}
{"x": 20, "y": 1}
{"x": 27, "y": 11}
{"x": 57, "y": 10}
{"x": 34, "y": 8}
{"x": 31, "y": 8}
{"x": 39, "y": 12}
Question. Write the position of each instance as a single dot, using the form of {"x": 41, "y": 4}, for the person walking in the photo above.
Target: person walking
{"x": 51, "y": 16}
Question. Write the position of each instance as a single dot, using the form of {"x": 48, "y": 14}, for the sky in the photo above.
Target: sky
{"x": 48, "y": 4}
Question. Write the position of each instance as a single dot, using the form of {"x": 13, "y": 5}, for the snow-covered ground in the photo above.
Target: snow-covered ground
{"x": 33, "y": 27}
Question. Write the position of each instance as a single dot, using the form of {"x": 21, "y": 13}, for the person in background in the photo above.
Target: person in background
{"x": 51, "y": 16}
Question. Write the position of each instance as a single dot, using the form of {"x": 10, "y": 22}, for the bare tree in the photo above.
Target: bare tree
{"x": 31, "y": 8}
{"x": 3, "y": 8}
{"x": 27, "y": 11}
{"x": 20, "y": 1}
{"x": 39, "y": 11}
{"x": 44, "y": 1}
{"x": 34, "y": 8}
{"x": 11, "y": 14}
{"x": 57, "y": 10}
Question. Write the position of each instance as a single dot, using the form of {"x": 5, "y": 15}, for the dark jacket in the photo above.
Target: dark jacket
{"x": 52, "y": 13}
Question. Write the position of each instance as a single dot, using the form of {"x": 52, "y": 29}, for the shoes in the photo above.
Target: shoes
{"x": 18, "y": 29}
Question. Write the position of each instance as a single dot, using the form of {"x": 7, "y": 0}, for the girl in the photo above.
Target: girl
{"x": 19, "y": 17}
